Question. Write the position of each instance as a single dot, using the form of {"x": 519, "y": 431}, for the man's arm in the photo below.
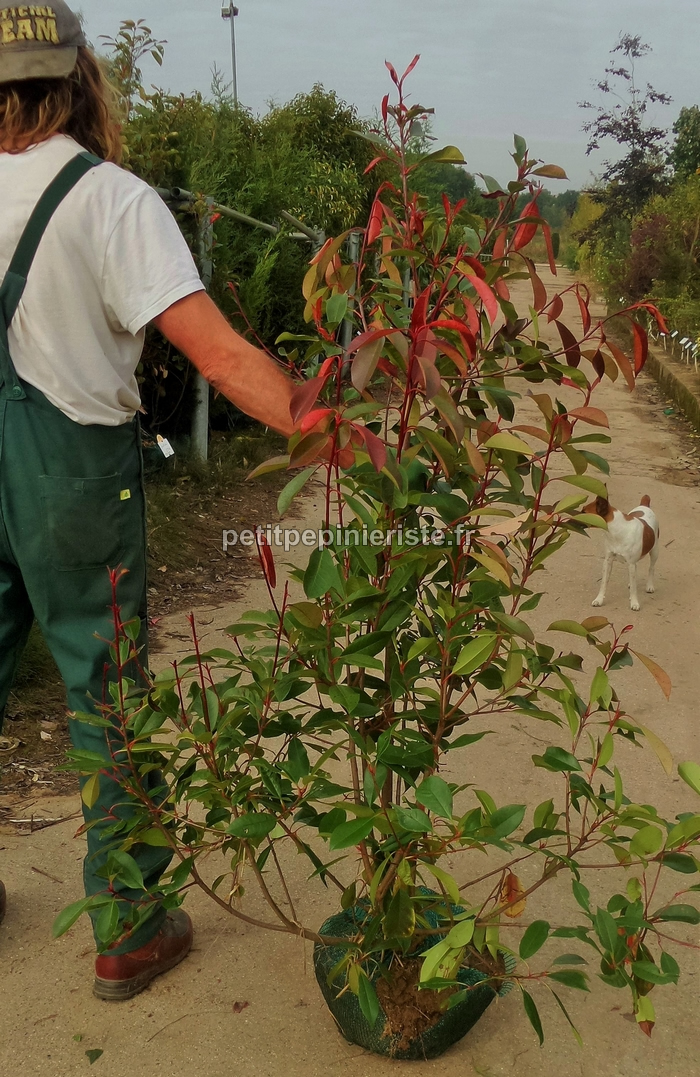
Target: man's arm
{"x": 249, "y": 378}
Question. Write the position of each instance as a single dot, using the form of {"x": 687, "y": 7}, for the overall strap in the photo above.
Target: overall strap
{"x": 16, "y": 276}
{"x": 15, "y": 280}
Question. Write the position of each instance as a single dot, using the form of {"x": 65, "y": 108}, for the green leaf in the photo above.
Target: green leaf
{"x": 570, "y": 959}
{"x": 680, "y": 862}
{"x": 647, "y": 841}
{"x": 532, "y": 1014}
{"x": 275, "y": 463}
{"x": 155, "y": 837}
{"x": 449, "y": 883}
{"x": 413, "y": 819}
{"x": 581, "y": 895}
{"x": 690, "y": 773}
{"x": 461, "y": 934}
{"x": 91, "y": 790}
{"x": 432, "y": 960}
{"x": 337, "y": 307}
{"x": 551, "y": 172}
{"x": 557, "y": 759}
{"x": 127, "y": 869}
{"x": 68, "y": 916}
{"x": 562, "y": 1007}
{"x": 435, "y": 794}
{"x": 515, "y": 625}
{"x": 292, "y": 488}
{"x": 520, "y": 146}
{"x": 369, "y": 1003}
{"x": 570, "y": 978}
{"x": 678, "y": 914}
{"x": 542, "y": 813}
{"x": 351, "y": 833}
{"x": 586, "y": 482}
{"x": 94, "y": 1054}
{"x": 648, "y": 971}
{"x": 507, "y": 819}
{"x": 107, "y": 922}
{"x": 475, "y": 653}
{"x": 400, "y": 918}
{"x": 510, "y": 443}
{"x": 447, "y": 155}
{"x": 568, "y": 626}
{"x": 534, "y": 938}
{"x": 253, "y": 826}
{"x": 321, "y": 575}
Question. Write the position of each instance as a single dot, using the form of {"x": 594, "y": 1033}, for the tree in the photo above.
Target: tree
{"x": 627, "y": 184}
{"x": 685, "y": 152}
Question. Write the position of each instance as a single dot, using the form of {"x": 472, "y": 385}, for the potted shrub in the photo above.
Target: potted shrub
{"x": 336, "y": 722}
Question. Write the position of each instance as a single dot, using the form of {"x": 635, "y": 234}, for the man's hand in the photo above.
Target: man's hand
{"x": 249, "y": 378}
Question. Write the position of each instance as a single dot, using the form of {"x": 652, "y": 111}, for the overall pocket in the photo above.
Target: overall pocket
{"x": 82, "y": 521}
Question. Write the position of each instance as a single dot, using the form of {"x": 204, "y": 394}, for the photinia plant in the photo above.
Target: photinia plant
{"x": 336, "y": 722}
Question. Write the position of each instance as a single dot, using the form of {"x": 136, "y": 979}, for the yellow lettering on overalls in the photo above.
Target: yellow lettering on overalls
{"x": 24, "y": 30}
{"x": 22, "y": 12}
{"x": 46, "y": 31}
{"x": 8, "y": 32}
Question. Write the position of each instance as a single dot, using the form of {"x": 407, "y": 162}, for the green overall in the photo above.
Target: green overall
{"x": 71, "y": 506}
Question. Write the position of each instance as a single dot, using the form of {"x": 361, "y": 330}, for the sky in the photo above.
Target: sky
{"x": 489, "y": 68}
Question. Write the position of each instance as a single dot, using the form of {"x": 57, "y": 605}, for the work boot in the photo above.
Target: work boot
{"x": 122, "y": 976}
{"x": 3, "y": 901}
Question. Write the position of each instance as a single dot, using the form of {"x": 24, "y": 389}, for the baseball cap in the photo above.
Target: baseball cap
{"x": 38, "y": 41}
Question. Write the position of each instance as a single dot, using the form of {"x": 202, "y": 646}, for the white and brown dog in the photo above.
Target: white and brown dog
{"x": 630, "y": 537}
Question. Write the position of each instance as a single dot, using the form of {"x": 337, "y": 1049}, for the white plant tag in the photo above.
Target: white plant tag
{"x": 165, "y": 447}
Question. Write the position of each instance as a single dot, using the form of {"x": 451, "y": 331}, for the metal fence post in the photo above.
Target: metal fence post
{"x": 353, "y": 248}
{"x": 200, "y": 415}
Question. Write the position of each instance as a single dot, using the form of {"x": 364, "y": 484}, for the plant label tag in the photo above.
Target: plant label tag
{"x": 165, "y": 447}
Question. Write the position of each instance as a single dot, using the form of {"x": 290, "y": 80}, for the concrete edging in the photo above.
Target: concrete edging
{"x": 679, "y": 382}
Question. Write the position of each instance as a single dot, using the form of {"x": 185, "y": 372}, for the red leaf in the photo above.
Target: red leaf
{"x": 375, "y": 447}
{"x": 365, "y": 363}
{"x": 266, "y": 559}
{"x": 501, "y": 289}
{"x": 374, "y": 225}
{"x": 310, "y": 448}
{"x": 476, "y": 266}
{"x": 392, "y": 71}
{"x": 314, "y": 418}
{"x": 539, "y": 292}
{"x": 556, "y": 308}
{"x": 571, "y": 348}
{"x": 594, "y": 416}
{"x": 367, "y": 338}
{"x": 547, "y": 232}
{"x": 319, "y": 254}
{"x": 372, "y": 164}
{"x": 499, "y": 247}
{"x": 525, "y": 233}
{"x": 487, "y": 297}
{"x": 385, "y": 107}
{"x": 646, "y": 1027}
{"x": 583, "y": 305}
{"x": 471, "y": 315}
{"x": 420, "y": 309}
{"x": 641, "y": 346}
{"x": 304, "y": 397}
{"x": 327, "y": 367}
{"x": 430, "y": 376}
{"x": 410, "y": 67}
{"x": 622, "y": 361}
{"x": 655, "y": 313}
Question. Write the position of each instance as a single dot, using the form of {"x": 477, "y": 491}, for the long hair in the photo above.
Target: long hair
{"x": 81, "y": 105}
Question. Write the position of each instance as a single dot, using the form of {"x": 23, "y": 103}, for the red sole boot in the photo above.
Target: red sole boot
{"x": 121, "y": 976}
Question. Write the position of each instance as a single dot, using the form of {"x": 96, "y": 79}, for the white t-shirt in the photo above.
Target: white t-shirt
{"x": 111, "y": 260}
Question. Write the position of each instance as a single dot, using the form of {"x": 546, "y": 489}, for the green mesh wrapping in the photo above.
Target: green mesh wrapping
{"x": 450, "y": 1028}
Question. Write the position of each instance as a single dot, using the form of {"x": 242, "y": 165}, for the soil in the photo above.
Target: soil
{"x": 409, "y": 1011}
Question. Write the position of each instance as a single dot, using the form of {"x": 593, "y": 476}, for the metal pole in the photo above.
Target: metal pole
{"x": 353, "y": 249}
{"x": 230, "y": 11}
{"x": 200, "y": 415}
{"x": 234, "y": 12}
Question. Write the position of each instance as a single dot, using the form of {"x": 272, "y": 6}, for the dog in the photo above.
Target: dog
{"x": 630, "y": 537}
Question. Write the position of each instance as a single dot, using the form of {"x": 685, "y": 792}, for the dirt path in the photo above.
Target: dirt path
{"x": 187, "y": 1024}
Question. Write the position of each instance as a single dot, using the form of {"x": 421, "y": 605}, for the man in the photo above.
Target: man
{"x": 89, "y": 255}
